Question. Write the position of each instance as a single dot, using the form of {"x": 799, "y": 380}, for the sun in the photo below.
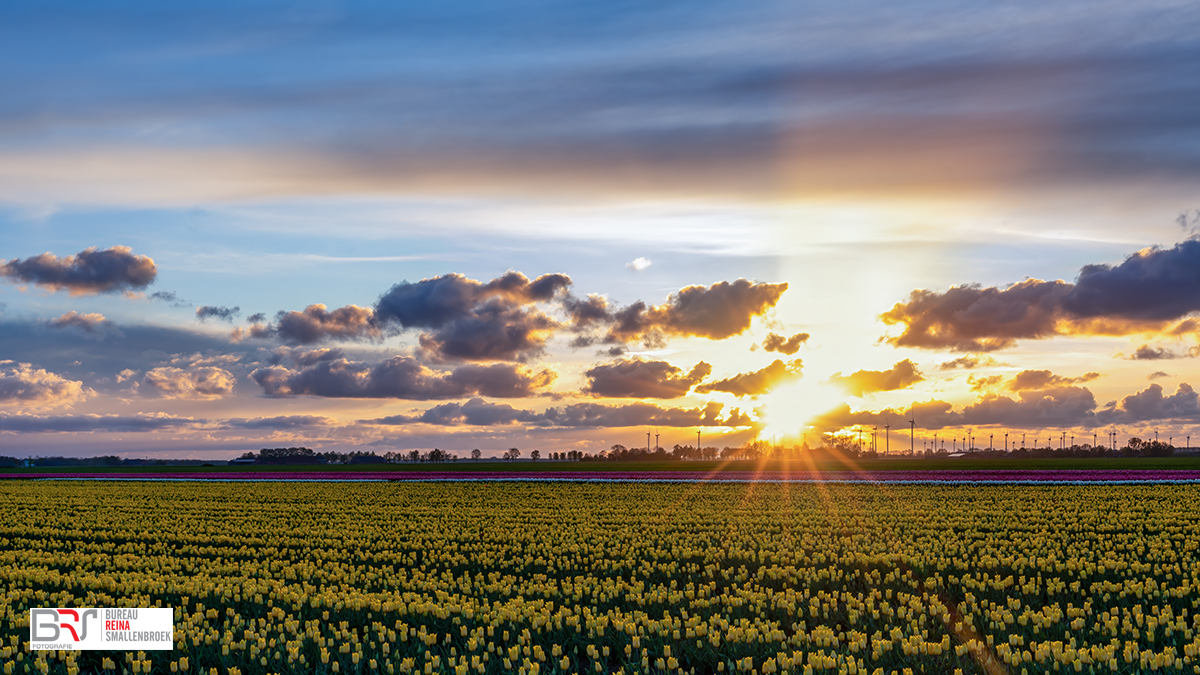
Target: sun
{"x": 787, "y": 411}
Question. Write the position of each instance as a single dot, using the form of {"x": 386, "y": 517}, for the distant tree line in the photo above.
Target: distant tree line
{"x": 102, "y": 461}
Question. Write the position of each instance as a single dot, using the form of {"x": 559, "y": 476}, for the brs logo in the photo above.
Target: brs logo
{"x": 46, "y": 624}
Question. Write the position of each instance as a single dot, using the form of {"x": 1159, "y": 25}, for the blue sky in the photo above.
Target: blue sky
{"x": 273, "y": 156}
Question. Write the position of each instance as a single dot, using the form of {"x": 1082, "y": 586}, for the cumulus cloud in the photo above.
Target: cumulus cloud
{"x": 197, "y": 383}
{"x": 579, "y": 415}
{"x": 206, "y": 312}
{"x": 716, "y": 312}
{"x": 1152, "y": 404}
{"x": 400, "y": 377}
{"x": 1033, "y": 380}
{"x": 316, "y": 324}
{"x": 975, "y": 319}
{"x": 24, "y": 386}
{"x": 1058, "y": 406}
{"x": 1148, "y": 291}
{"x": 474, "y": 321}
{"x": 778, "y": 343}
{"x": 93, "y": 324}
{"x": 95, "y": 423}
{"x": 756, "y": 382}
{"x": 1150, "y": 285}
{"x": 638, "y": 264}
{"x": 88, "y": 272}
{"x": 860, "y": 383}
{"x": 640, "y": 378}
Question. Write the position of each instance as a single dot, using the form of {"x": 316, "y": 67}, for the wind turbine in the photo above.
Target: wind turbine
{"x": 912, "y": 430}
{"x": 887, "y": 439}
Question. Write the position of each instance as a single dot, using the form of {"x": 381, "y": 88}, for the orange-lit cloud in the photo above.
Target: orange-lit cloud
{"x": 22, "y": 385}
{"x": 860, "y": 383}
{"x": 784, "y": 345}
{"x": 1150, "y": 291}
{"x": 195, "y": 383}
{"x": 757, "y": 382}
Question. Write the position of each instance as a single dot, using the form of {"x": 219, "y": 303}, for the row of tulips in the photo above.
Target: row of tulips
{"x": 966, "y": 477}
{"x": 603, "y": 578}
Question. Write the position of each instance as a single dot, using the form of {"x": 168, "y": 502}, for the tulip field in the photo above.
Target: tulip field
{"x": 582, "y": 577}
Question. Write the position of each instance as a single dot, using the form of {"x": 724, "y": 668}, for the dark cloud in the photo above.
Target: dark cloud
{"x": 195, "y": 382}
{"x": 579, "y": 415}
{"x": 92, "y": 325}
{"x": 1151, "y": 285}
{"x": 401, "y": 377}
{"x": 1147, "y": 291}
{"x": 23, "y": 385}
{"x": 475, "y": 412}
{"x": 257, "y": 317}
{"x": 1152, "y": 353}
{"x": 1157, "y": 374}
{"x": 206, "y": 312}
{"x": 1035, "y": 380}
{"x": 282, "y": 422}
{"x": 317, "y": 324}
{"x": 587, "y": 312}
{"x": 860, "y": 383}
{"x": 1059, "y": 406}
{"x": 641, "y": 414}
{"x": 778, "y": 343}
{"x": 640, "y": 378}
{"x": 473, "y": 321}
{"x": 716, "y": 312}
{"x": 756, "y": 382}
{"x": 1151, "y": 404}
{"x": 99, "y": 423}
{"x": 976, "y": 319}
{"x": 87, "y": 272}
{"x": 169, "y": 297}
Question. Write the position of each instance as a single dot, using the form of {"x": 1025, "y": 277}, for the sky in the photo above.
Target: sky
{"x": 561, "y": 226}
